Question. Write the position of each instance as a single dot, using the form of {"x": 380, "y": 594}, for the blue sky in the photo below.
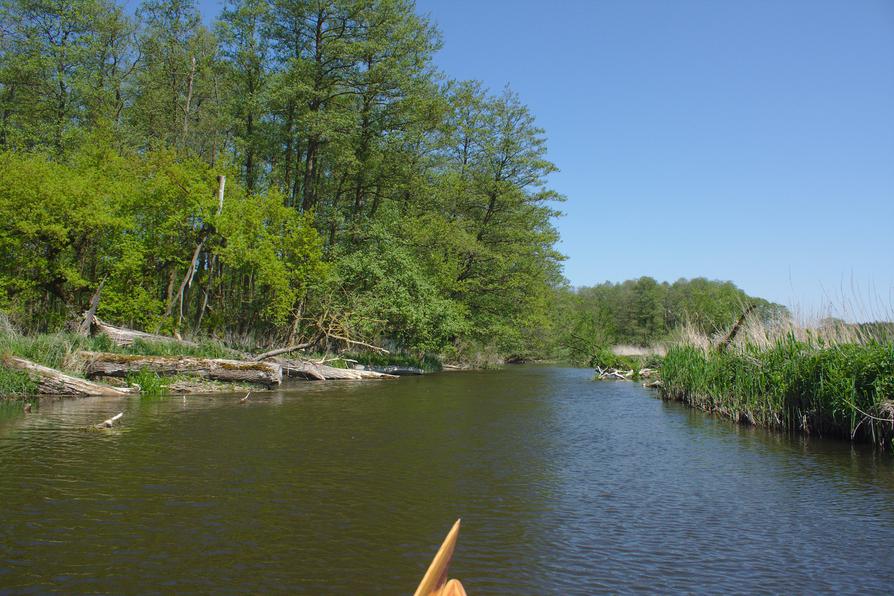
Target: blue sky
{"x": 751, "y": 141}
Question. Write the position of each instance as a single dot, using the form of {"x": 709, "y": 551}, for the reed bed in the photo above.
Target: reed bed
{"x": 835, "y": 379}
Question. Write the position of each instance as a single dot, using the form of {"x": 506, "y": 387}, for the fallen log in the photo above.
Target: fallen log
{"x": 52, "y": 382}
{"x": 125, "y": 337}
{"x": 217, "y": 369}
{"x": 285, "y": 350}
{"x": 321, "y": 372}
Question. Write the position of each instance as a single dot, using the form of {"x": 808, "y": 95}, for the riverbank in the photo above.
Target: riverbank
{"x": 118, "y": 361}
{"x": 797, "y": 381}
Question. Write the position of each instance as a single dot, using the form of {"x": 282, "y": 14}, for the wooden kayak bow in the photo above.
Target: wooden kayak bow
{"x": 434, "y": 582}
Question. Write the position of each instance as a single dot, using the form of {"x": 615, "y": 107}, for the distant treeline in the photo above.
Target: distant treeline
{"x": 368, "y": 196}
{"x": 644, "y": 311}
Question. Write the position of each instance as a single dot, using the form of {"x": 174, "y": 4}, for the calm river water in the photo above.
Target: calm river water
{"x": 564, "y": 485}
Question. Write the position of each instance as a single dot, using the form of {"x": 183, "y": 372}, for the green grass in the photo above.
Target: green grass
{"x": 15, "y": 384}
{"x": 151, "y": 384}
{"x": 60, "y": 351}
{"x": 55, "y": 350}
{"x": 605, "y": 358}
{"x": 203, "y": 349}
{"x": 809, "y": 386}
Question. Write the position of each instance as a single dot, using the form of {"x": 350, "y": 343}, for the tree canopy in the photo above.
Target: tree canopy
{"x": 367, "y": 195}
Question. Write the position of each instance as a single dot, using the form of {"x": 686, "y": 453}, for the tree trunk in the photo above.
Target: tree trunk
{"x": 86, "y": 325}
{"x": 186, "y": 108}
{"x": 52, "y": 382}
{"x": 217, "y": 369}
{"x": 287, "y": 160}
{"x": 125, "y": 337}
{"x": 308, "y": 199}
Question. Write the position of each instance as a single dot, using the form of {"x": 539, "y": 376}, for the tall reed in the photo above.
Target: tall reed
{"x": 835, "y": 380}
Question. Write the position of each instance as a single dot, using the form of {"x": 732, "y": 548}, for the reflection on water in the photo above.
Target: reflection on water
{"x": 564, "y": 486}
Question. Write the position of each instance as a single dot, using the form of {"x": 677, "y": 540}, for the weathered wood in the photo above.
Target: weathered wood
{"x": 87, "y": 322}
{"x": 52, "y": 382}
{"x": 217, "y": 369}
{"x": 111, "y": 421}
{"x": 321, "y": 372}
{"x": 285, "y": 350}
{"x": 434, "y": 582}
{"x": 125, "y": 337}
{"x": 725, "y": 342}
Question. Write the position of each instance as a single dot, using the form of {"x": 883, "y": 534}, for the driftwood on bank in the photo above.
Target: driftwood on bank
{"x": 52, "y": 382}
{"x": 320, "y": 372}
{"x": 125, "y": 337}
{"x": 608, "y": 374}
{"x": 280, "y": 351}
{"x": 217, "y": 369}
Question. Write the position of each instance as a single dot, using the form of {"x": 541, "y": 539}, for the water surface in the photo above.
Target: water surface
{"x": 564, "y": 485}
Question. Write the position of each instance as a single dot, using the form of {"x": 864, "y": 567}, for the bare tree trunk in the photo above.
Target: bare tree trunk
{"x": 87, "y": 323}
{"x": 186, "y": 107}
{"x": 308, "y": 198}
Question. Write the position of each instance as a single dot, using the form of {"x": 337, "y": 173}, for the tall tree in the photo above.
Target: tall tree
{"x": 243, "y": 33}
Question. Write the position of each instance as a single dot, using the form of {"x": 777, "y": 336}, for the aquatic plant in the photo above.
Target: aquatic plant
{"x": 835, "y": 382}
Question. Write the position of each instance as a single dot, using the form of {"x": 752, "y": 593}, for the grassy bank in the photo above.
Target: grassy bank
{"x": 827, "y": 383}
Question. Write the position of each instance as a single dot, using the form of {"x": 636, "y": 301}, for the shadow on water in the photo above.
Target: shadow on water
{"x": 564, "y": 486}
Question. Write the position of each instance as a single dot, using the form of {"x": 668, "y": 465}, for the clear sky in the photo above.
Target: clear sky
{"x": 751, "y": 141}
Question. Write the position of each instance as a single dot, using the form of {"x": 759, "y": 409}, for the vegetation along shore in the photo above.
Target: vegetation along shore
{"x": 188, "y": 207}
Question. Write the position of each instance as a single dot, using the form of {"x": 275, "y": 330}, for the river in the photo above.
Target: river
{"x": 564, "y": 486}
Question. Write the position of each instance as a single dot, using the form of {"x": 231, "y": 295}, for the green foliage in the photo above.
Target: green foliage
{"x": 387, "y": 294}
{"x": 605, "y": 358}
{"x": 642, "y": 312}
{"x": 14, "y": 383}
{"x": 366, "y": 197}
{"x": 56, "y": 350}
{"x": 427, "y": 362}
{"x": 204, "y": 349}
{"x": 151, "y": 384}
{"x": 794, "y": 385}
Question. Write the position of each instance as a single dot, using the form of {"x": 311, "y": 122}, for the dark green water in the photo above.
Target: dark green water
{"x": 565, "y": 486}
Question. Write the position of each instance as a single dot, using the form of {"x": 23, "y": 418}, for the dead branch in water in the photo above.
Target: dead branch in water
{"x": 108, "y": 423}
